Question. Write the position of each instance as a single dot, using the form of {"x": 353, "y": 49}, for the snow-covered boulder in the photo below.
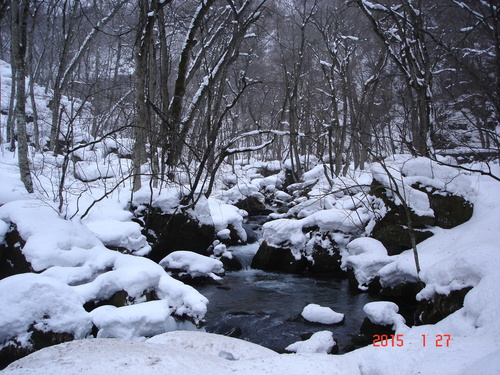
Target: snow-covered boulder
{"x": 176, "y": 228}
{"x": 77, "y": 271}
{"x": 188, "y": 263}
{"x": 135, "y": 321}
{"x": 228, "y": 220}
{"x": 384, "y": 313}
{"x": 365, "y": 256}
{"x": 319, "y": 342}
{"x": 319, "y": 314}
{"x": 435, "y": 195}
{"x": 124, "y": 236}
{"x": 36, "y": 310}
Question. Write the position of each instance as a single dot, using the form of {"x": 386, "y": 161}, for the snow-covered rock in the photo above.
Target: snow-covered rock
{"x": 224, "y": 215}
{"x": 385, "y": 314}
{"x": 135, "y": 321}
{"x": 193, "y": 264}
{"x": 319, "y": 342}
{"x": 319, "y": 314}
{"x": 43, "y": 303}
{"x": 365, "y": 256}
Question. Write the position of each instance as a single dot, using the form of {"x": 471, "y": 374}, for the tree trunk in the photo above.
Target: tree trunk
{"x": 19, "y": 11}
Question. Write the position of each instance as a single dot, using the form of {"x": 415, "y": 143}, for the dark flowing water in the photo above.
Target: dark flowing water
{"x": 263, "y": 305}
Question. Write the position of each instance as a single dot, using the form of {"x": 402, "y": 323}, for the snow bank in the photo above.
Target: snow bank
{"x": 216, "y": 345}
{"x": 319, "y": 314}
{"x": 47, "y": 304}
{"x": 319, "y": 342}
{"x": 195, "y": 265}
{"x": 200, "y": 354}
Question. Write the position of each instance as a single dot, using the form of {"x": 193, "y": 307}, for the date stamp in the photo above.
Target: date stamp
{"x": 438, "y": 341}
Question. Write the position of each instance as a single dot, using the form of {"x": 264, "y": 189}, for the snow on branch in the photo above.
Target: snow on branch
{"x": 231, "y": 151}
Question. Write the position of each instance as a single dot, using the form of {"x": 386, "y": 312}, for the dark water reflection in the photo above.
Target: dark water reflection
{"x": 261, "y": 304}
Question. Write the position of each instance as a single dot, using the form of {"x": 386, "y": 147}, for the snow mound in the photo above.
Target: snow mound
{"x": 320, "y": 342}
{"x": 213, "y": 344}
{"x": 200, "y": 354}
{"x": 135, "y": 321}
{"x": 195, "y": 265}
{"x": 365, "y": 256}
{"x": 121, "y": 234}
{"x": 47, "y": 304}
{"x": 385, "y": 313}
{"x": 224, "y": 214}
{"x": 318, "y": 314}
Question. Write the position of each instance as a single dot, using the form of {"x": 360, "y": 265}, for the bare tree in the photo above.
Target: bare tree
{"x": 401, "y": 27}
{"x": 19, "y": 29}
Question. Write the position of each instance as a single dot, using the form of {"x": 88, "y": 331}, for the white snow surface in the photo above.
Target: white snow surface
{"x": 183, "y": 353}
{"x": 385, "y": 313}
{"x": 319, "y": 342}
{"x": 193, "y": 264}
{"x": 224, "y": 214}
{"x": 320, "y": 314}
{"x": 50, "y": 305}
{"x": 365, "y": 256}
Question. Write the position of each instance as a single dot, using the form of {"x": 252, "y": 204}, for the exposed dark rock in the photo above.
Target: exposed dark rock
{"x": 431, "y": 312}
{"x": 193, "y": 281}
{"x": 404, "y": 295}
{"x": 322, "y": 261}
{"x": 231, "y": 264}
{"x": 12, "y": 259}
{"x": 167, "y": 233}
{"x": 234, "y": 237}
{"x": 119, "y": 299}
{"x": 396, "y": 237}
{"x": 252, "y": 236}
{"x": 392, "y": 230}
{"x": 38, "y": 340}
{"x": 450, "y": 210}
{"x": 370, "y": 329}
{"x": 326, "y": 261}
{"x": 253, "y": 206}
{"x": 275, "y": 259}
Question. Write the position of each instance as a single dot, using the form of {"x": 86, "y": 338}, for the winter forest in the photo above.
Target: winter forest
{"x": 249, "y": 186}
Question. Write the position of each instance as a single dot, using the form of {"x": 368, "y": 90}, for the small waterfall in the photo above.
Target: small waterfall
{"x": 245, "y": 253}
